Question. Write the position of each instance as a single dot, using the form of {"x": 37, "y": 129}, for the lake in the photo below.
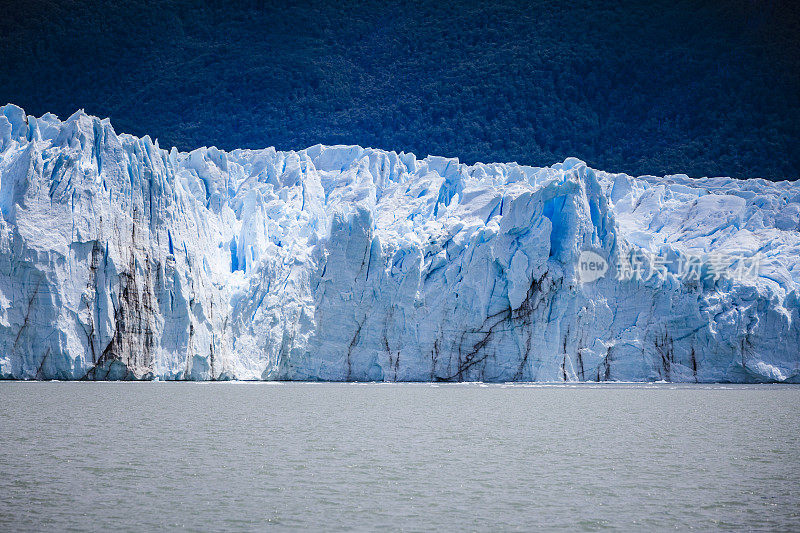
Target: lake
{"x": 221, "y": 456}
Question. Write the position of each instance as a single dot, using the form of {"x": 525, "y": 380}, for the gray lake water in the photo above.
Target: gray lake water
{"x": 221, "y": 456}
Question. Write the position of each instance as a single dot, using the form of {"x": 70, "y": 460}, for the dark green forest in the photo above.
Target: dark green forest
{"x": 657, "y": 87}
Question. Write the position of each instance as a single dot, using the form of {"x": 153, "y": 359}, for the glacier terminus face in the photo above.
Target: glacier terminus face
{"x": 122, "y": 260}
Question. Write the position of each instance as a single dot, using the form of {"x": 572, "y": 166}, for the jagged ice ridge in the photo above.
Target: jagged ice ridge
{"x": 121, "y": 260}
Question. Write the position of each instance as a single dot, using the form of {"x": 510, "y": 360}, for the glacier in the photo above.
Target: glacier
{"x": 122, "y": 260}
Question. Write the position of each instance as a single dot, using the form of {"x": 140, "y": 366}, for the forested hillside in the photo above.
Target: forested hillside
{"x": 657, "y": 87}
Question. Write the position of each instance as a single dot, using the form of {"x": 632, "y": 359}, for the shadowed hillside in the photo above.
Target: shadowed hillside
{"x": 646, "y": 88}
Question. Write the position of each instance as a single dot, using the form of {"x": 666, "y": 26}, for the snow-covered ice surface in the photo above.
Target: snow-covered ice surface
{"x": 119, "y": 259}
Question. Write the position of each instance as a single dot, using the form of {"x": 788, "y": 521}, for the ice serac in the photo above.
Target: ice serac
{"x": 121, "y": 260}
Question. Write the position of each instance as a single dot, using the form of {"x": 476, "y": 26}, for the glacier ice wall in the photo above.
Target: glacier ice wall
{"x": 121, "y": 260}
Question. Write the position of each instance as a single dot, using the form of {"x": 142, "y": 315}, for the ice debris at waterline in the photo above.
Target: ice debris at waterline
{"x": 121, "y": 260}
